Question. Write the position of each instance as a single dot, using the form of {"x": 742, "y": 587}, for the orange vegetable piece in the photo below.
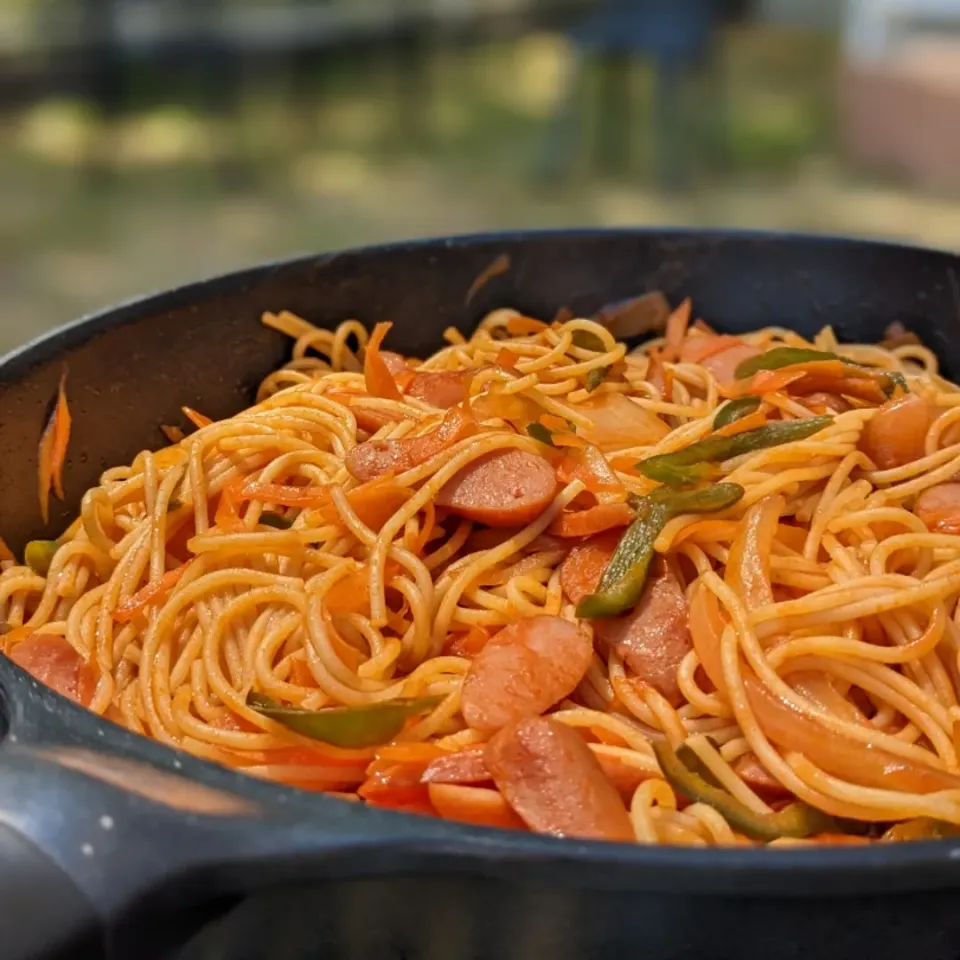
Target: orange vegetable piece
{"x": 53, "y": 661}
{"x": 479, "y": 806}
{"x": 52, "y": 452}
{"x": 227, "y": 516}
{"x": 524, "y": 326}
{"x": 468, "y": 644}
{"x": 199, "y": 420}
{"x": 585, "y": 523}
{"x": 153, "y": 591}
{"x": 376, "y": 373}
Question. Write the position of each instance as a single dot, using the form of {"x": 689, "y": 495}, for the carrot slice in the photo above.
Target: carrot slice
{"x": 427, "y": 526}
{"x": 479, "y": 806}
{"x": 173, "y": 434}
{"x": 507, "y": 359}
{"x": 525, "y": 326}
{"x": 750, "y": 422}
{"x": 376, "y": 374}
{"x": 373, "y": 502}
{"x": 698, "y": 349}
{"x": 61, "y": 436}
{"x": 227, "y": 516}
{"x": 199, "y": 420}
{"x": 52, "y": 452}
{"x": 585, "y": 523}
{"x": 154, "y": 590}
{"x": 467, "y": 644}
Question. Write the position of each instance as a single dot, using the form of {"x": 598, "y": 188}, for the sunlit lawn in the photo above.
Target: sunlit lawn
{"x": 344, "y": 161}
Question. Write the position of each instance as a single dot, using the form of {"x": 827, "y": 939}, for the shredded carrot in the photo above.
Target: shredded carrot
{"x": 397, "y": 786}
{"x": 52, "y": 451}
{"x": 750, "y": 422}
{"x": 499, "y": 266}
{"x": 61, "y": 436}
{"x": 6, "y": 553}
{"x": 199, "y": 420}
{"x": 376, "y": 374}
{"x": 154, "y": 590}
{"x": 286, "y": 495}
{"x": 677, "y": 324}
{"x": 479, "y": 806}
{"x": 525, "y": 326}
{"x": 300, "y": 674}
{"x": 762, "y": 383}
{"x": 507, "y": 359}
{"x": 410, "y": 752}
{"x": 348, "y": 654}
{"x": 173, "y": 434}
{"x": 427, "y": 526}
{"x": 374, "y": 502}
{"x": 553, "y": 423}
{"x": 596, "y": 519}
{"x": 567, "y": 439}
{"x": 227, "y": 516}
{"x": 467, "y": 644}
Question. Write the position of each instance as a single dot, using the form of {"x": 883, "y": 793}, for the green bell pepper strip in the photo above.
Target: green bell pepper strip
{"x": 588, "y": 341}
{"x": 796, "y": 820}
{"x": 780, "y": 357}
{"x": 539, "y": 432}
{"x": 735, "y": 410}
{"x": 371, "y": 725}
{"x": 595, "y": 377}
{"x": 271, "y": 519}
{"x": 695, "y": 462}
{"x": 622, "y": 583}
{"x": 39, "y": 554}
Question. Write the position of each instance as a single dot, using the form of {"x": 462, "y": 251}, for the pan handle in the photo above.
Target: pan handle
{"x": 104, "y": 834}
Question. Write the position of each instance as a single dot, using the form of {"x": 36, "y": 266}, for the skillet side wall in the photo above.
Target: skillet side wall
{"x": 132, "y": 368}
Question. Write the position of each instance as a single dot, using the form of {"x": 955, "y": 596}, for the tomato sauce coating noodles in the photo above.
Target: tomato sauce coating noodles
{"x": 703, "y": 592}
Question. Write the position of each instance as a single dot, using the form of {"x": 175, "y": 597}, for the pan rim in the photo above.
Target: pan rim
{"x": 841, "y": 870}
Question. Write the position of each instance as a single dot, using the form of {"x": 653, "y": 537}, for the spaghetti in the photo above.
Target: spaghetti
{"x": 704, "y": 592}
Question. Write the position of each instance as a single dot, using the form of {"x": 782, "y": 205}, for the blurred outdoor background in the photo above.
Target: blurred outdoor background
{"x": 148, "y": 142}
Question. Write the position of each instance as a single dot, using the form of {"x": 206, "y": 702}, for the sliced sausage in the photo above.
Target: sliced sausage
{"x": 374, "y": 458}
{"x": 654, "y": 637}
{"x": 465, "y": 766}
{"x": 523, "y": 670}
{"x": 939, "y": 508}
{"x": 502, "y": 489}
{"x": 724, "y": 365}
{"x": 54, "y": 662}
{"x": 444, "y": 389}
{"x": 894, "y": 435}
{"x": 551, "y": 778}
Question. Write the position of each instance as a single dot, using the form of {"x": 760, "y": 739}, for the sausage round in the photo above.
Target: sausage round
{"x": 551, "y": 778}
{"x": 523, "y": 670}
{"x": 506, "y": 488}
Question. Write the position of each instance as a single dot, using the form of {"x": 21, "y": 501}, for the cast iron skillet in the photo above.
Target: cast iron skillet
{"x": 115, "y": 846}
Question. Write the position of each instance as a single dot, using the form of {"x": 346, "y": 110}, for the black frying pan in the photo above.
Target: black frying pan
{"x": 114, "y": 846}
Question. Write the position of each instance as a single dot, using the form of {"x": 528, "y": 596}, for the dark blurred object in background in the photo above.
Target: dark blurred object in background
{"x": 145, "y": 142}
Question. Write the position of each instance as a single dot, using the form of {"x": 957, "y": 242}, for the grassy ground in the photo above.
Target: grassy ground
{"x": 348, "y": 164}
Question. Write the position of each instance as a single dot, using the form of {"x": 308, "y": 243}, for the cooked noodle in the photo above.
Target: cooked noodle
{"x": 827, "y": 604}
